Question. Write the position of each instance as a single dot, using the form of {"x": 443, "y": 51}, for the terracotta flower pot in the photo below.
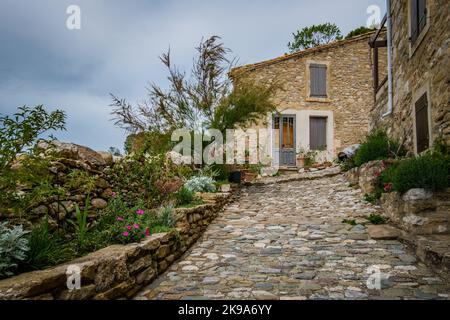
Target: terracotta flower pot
{"x": 301, "y": 162}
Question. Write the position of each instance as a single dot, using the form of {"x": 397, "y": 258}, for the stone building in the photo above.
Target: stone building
{"x": 324, "y": 100}
{"x": 413, "y": 102}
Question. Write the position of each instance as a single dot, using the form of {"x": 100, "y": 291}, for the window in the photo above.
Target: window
{"x": 318, "y": 133}
{"x": 418, "y": 18}
{"x": 318, "y": 80}
{"x": 422, "y": 129}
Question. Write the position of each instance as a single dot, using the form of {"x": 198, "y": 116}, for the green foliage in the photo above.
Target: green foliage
{"x": 166, "y": 217}
{"x": 378, "y": 146}
{"x": 46, "y": 249}
{"x": 201, "y": 184}
{"x": 22, "y": 130}
{"x": 314, "y": 36}
{"x": 245, "y": 106}
{"x": 150, "y": 142}
{"x": 13, "y": 248}
{"x": 376, "y": 219}
{"x": 359, "y": 31}
{"x": 371, "y": 198}
{"x": 29, "y": 171}
{"x": 347, "y": 164}
{"x": 82, "y": 226}
{"x": 223, "y": 172}
{"x": 184, "y": 196}
{"x": 429, "y": 171}
{"x": 351, "y": 222}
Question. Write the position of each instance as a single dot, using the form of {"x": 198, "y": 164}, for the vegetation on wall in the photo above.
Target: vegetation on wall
{"x": 359, "y": 31}
{"x": 315, "y": 35}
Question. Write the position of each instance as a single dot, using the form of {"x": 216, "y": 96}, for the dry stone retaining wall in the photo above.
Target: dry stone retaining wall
{"x": 118, "y": 271}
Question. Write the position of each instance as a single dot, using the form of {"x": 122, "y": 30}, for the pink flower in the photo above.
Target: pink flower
{"x": 125, "y": 234}
{"x": 128, "y": 227}
{"x": 119, "y": 219}
{"x": 113, "y": 194}
{"x": 140, "y": 212}
{"x": 136, "y": 226}
{"x": 388, "y": 187}
{"x": 377, "y": 174}
{"x": 147, "y": 232}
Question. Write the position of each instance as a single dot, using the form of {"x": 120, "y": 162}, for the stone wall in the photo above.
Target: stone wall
{"x": 422, "y": 67}
{"x": 65, "y": 158}
{"x": 419, "y": 212}
{"x": 118, "y": 271}
{"x": 350, "y": 86}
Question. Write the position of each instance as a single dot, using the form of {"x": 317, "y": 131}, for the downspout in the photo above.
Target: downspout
{"x": 389, "y": 56}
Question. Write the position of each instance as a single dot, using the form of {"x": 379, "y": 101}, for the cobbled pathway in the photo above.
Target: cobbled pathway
{"x": 288, "y": 241}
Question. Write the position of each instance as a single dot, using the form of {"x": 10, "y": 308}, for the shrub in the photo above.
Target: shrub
{"x": 13, "y": 248}
{"x": 427, "y": 171}
{"x": 166, "y": 217}
{"x": 201, "y": 184}
{"x": 184, "y": 196}
{"x": 46, "y": 249}
{"x": 378, "y": 146}
{"x": 351, "y": 222}
{"x": 18, "y": 136}
{"x": 376, "y": 219}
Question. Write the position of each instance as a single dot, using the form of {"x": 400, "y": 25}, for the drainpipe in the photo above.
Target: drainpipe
{"x": 389, "y": 49}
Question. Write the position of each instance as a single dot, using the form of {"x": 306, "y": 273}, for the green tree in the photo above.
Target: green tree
{"x": 314, "y": 36}
{"x": 359, "y": 31}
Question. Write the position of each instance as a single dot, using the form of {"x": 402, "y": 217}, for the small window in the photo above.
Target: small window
{"x": 318, "y": 80}
{"x": 422, "y": 129}
{"x": 418, "y": 18}
{"x": 318, "y": 133}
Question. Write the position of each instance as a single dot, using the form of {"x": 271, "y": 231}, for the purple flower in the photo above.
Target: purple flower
{"x": 140, "y": 212}
{"x": 128, "y": 227}
{"x": 119, "y": 219}
{"x": 136, "y": 226}
{"x": 125, "y": 234}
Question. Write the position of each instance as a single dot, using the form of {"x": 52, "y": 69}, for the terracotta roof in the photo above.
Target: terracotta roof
{"x": 249, "y": 67}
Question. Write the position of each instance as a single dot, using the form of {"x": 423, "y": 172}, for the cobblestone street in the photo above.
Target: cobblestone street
{"x": 288, "y": 241}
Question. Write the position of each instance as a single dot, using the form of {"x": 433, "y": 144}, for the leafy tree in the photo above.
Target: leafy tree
{"x": 204, "y": 99}
{"x": 314, "y": 36}
{"x": 359, "y": 31}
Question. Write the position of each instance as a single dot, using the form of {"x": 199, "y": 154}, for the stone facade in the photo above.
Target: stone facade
{"x": 118, "y": 271}
{"x": 417, "y": 68}
{"x": 349, "y": 90}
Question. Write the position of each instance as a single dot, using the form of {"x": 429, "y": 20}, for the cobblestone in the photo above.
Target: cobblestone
{"x": 287, "y": 241}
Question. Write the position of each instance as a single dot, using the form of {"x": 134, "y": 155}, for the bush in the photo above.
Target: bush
{"x": 376, "y": 219}
{"x": 13, "y": 248}
{"x": 184, "y": 196}
{"x": 201, "y": 184}
{"x": 378, "y": 146}
{"x": 429, "y": 171}
{"x": 46, "y": 249}
{"x": 166, "y": 217}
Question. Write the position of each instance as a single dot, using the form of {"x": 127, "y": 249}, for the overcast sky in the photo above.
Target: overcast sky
{"x": 117, "y": 48}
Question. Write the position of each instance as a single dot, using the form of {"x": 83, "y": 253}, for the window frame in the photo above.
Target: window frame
{"x": 424, "y": 90}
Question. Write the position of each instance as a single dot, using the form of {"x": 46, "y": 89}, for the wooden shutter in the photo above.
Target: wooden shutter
{"x": 318, "y": 133}
{"x": 414, "y": 21}
{"x": 318, "y": 80}
{"x": 422, "y": 130}
{"x": 421, "y": 15}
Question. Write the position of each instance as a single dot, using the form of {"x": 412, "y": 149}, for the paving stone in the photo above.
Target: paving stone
{"x": 287, "y": 241}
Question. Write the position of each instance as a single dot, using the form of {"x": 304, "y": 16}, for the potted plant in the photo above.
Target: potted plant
{"x": 301, "y": 157}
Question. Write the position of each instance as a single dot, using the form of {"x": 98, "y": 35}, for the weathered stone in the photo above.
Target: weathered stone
{"x": 107, "y": 157}
{"x": 163, "y": 251}
{"x": 99, "y": 203}
{"x": 383, "y": 232}
{"x": 417, "y": 194}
